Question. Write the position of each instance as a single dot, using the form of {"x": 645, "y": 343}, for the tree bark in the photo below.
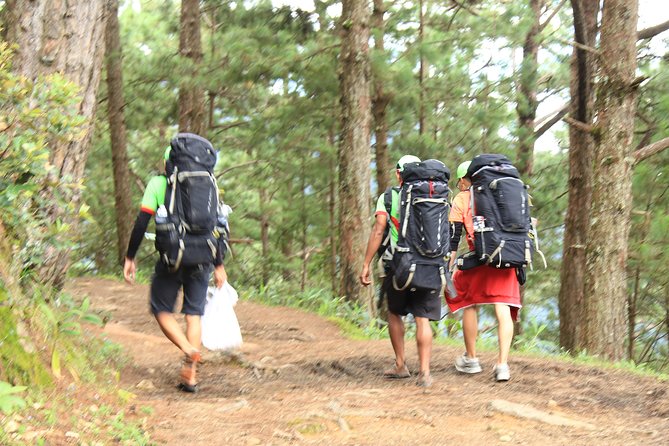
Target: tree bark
{"x": 527, "y": 99}
{"x": 606, "y": 250}
{"x": 650, "y": 150}
{"x": 583, "y": 66}
{"x": 421, "y": 69}
{"x": 67, "y": 38}
{"x": 332, "y": 214}
{"x": 354, "y": 150}
{"x": 191, "y": 96}
{"x": 653, "y": 31}
{"x": 117, "y": 129}
{"x": 380, "y": 103}
{"x": 264, "y": 235}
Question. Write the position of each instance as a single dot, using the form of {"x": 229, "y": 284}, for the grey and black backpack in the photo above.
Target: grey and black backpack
{"x": 501, "y": 210}
{"x": 191, "y": 233}
{"x": 420, "y": 259}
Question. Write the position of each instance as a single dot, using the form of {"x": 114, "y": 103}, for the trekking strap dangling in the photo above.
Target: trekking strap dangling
{"x": 412, "y": 270}
{"x": 535, "y": 237}
{"x": 180, "y": 254}
{"x": 173, "y": 180}
{"x": 405, "y": 223}
{"x": 498, "y": 251}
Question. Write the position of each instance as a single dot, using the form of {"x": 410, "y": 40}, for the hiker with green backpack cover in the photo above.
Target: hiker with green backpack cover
{"x": 191, "y": 238}
{"x": 415, "y": 256}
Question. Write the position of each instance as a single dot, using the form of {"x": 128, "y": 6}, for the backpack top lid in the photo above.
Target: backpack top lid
{"x": 190, "y": 152}
{"x": 494, "y": 160}
{"x": 428, "y": 170}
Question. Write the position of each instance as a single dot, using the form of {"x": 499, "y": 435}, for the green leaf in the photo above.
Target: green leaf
{"x": 55, "y": 364}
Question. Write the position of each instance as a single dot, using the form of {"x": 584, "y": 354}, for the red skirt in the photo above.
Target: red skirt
{"x": 485, "y": 285}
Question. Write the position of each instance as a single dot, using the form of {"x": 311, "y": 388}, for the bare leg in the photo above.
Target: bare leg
{"x": 170, "y": 327}
{"x": 470, "y": 329}
{"x": 424, "y": 342}
{"x": 396, "y": 331}
{"x": 194, "y": 330}
{"x": 504, "y": 331}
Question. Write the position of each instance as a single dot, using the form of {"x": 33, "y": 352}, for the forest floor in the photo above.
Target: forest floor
{"x": 298, "y": 380}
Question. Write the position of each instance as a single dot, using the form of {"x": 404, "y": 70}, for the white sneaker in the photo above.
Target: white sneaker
{"x": 465, "y": 364}
{"x": 502, "y": 372}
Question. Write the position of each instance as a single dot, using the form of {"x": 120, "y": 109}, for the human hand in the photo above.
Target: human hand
{"x": 365, "y": 278}
{"x": 129, "y": 269}
{"x": 220, "y": 276}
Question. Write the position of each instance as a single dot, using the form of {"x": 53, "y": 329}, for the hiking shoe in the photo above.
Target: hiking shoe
{"x": 502, "y": 372}
{"x": 465, "y": 364}
{"x": 188, "y": 369}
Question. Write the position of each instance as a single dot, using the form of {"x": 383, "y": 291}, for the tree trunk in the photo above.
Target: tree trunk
{"x": 421, "y": 69}
{"x": 380, "y": 103}
{"x": 191, "y": 96}
{"x": 527, "y": 98}
{"x": 583, "y": 66}
{"x": 305, "y": 225}
{"x": 606, "y": 250}
{"x": 264, "y": 235}
{"x": 354, "y": 151}
{"x": 332, "y": 213}
{"x": 67, "y": 38}
{"x": 117, "y": 129}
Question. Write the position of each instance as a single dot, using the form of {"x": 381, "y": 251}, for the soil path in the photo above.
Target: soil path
{"x": 298, "y": 380}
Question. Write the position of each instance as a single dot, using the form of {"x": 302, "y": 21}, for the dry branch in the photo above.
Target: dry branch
{"x": 650, "y": 150}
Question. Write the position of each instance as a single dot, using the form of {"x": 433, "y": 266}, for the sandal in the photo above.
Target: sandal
{"x": 395, "y": 373}
{"x": 188, "y": 383}
{"x": 424, "y": 380}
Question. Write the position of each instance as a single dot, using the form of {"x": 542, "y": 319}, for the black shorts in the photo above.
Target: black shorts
{"x": 420, "y": 303}
{"x": 165, "y": 287}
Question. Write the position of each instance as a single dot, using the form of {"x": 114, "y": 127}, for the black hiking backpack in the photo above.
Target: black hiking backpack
{"x": 189, "y": 233}
{"x": 420, "y": 259}
{"x": 501, "y": 212}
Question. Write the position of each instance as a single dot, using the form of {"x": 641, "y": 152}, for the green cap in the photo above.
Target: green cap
{"x": 167, "y": 153}
{"x": 462, "y": 169}
{"x": 406, "y": 159}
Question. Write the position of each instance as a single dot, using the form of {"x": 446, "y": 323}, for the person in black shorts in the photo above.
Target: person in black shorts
{"x": 165, "y": 286}
{"x": 425, "y": 306}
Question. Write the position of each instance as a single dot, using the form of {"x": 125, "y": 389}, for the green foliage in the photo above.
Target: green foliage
{"x": 9, "y": 400}
{"x": 60, "y": 324}
{"x": 20, "y": 363}
{"x": 128, "y": 433}
{"x": 353, "y": 319}
{"x": 33, "y": 115}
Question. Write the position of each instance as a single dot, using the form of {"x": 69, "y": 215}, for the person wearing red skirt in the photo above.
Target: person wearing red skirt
{"x": 480, "y": 285}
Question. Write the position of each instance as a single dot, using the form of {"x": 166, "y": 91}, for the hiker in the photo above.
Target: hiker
{"x": 183, "y": 261}
{"x": 480, "y": 285}
{"x": 423, "y": 304}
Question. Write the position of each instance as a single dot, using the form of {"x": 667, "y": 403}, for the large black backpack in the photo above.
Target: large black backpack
{"x": 420, "y": 259}
{"x": 501, "y": 211}
{"x": 189, "y": 234}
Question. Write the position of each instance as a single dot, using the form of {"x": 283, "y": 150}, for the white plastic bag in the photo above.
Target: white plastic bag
{"x": 220, "y": 328}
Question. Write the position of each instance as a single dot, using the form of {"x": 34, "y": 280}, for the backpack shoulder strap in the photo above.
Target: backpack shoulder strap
{"x": 388, "y": 199}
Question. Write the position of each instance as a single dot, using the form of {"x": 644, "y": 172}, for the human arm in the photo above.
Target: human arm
{"x": 136, "y": 236}
{"x": 456, "y": 233}
{"x": 375, "y": 239}
{"x": 220, "y": 276}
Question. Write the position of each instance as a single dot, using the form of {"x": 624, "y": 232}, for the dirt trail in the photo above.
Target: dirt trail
{"x": 299, "y": 381}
